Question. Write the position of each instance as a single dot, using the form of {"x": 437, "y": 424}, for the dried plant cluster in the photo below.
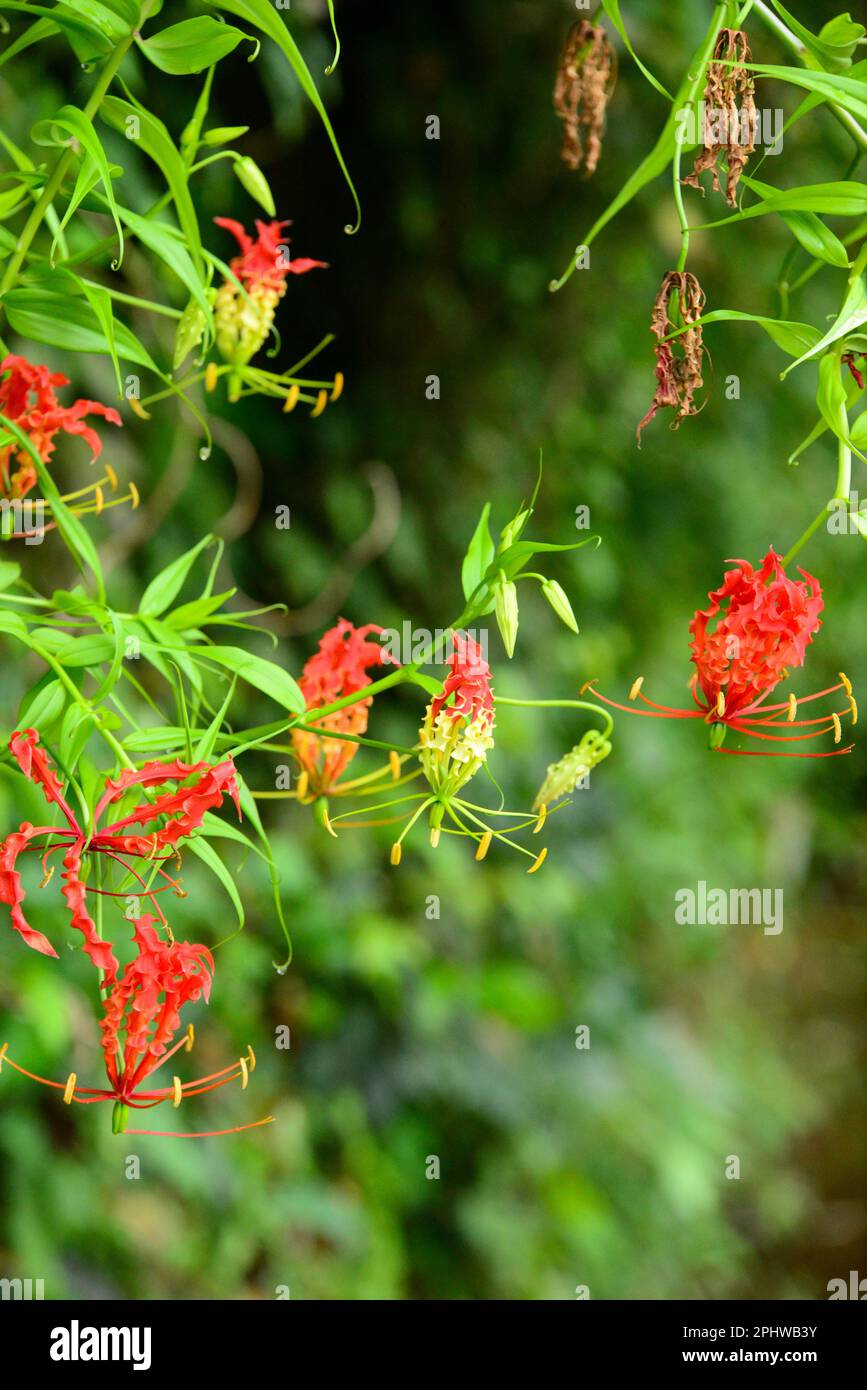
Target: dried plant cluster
{"x": 678, "y": 360}
{"x": 729, "y": 116}
{"x": 584, "y": 83}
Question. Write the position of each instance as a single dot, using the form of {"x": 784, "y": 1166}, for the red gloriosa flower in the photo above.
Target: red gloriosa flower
{"x": 27, "y": 397}
{"x": 759, "y": 624}
{"x": 263, "y": 262}
{"x": 182, "y": 811}
{"x": 144, "y": 1006}
{"x": 337, "y": 669}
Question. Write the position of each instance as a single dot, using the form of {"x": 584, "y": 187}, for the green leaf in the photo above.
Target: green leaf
{"x": 794, "y": 338}
{"x": 209, "y": 856}
{"x": 834, "y": 45}
{"x": 162, "y": 591}
{"x": 849, "y": 91}
{"x": 77, "y": 126}
{"x": 48, "y": 316}
{"x": 852, "y": 315}
{"x": 480, "y": 553}
{"x": 842, "y": 199}
{"x": 167, "y": 243}
{"x": 43, "y": 704}
{"x": 262, "y": 14}
{"x": 808, "y": 229}
{"x": 197, "y": 613}
{"x": 191, "y": 45}
{"x": 612, "y": 9}
{"x": 138, "y": 124}
{"x": 40, "y": 29}
{"x": 271, "y": 679}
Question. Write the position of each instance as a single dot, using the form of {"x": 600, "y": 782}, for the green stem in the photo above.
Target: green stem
{"x": 561, "y": 704}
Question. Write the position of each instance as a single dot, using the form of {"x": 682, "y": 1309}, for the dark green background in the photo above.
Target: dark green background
{"x": 455, "y": 1037}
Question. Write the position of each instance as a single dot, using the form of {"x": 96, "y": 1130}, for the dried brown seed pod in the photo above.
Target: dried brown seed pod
{"x": 678, "y": 361}
{"x": 585, "y": 80}
{"x": 729, "y": 118}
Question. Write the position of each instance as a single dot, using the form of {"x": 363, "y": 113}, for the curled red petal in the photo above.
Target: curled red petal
{"x": 97, "y": 950}
{"x": 12, "y": 891}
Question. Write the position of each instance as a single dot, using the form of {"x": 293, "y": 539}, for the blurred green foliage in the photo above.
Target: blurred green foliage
{"x": 413, "y": 1035}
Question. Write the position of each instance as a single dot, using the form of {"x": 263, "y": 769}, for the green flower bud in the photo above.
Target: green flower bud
{"x": 560, "y": 603}
{"x": 253, "y": 180}
{"x": 506, "y": 595}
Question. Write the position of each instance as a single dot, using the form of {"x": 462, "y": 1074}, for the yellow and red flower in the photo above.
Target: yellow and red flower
{"x": 339, "y": 668}
{"x": 758, "y": 625}
{"x": 245, "y": 316}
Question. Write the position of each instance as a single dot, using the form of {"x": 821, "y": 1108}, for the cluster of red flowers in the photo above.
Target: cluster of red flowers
{"x": 142, "y": 1001}
{"x": 758, "y": 625}
{"x": 27, "y": 397}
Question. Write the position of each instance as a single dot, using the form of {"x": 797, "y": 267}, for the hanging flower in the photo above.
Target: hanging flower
{"x": 758, "y": 625}
{"x": 585, "y": 80}
{"x": 339, "y": 668}
{"x": 678, "y": 360}
{"x": 181, "y": 812}
{"x": 730, "y": 122}
{"x": 29, "y": 400}
{"x": 141, "y": 1016}
{"x": 244, "y": 317}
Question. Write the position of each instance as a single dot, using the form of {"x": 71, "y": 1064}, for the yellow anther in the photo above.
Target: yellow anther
{"x": 3, "y": 1050}
{"x": 138, "y": 409}
{"x": 337, "y": 388}
{"x": 251, "y": 1058}
{"x": 69, "y": 1089}
{"x": 177, "y": 1092}
{"x": 111, "y": 475}
{"x": 634, "y": 688}
{"x": 47, "y": 877}
{"x": 301, "y": 785}
{"x": 100, "y": 499}
{"x": 793, "y": 709}
{"x": 134, "y": 497}
{"x": 291, "y": 399}
{"x": 543, "y": 816}
{"x": 394, "y": 764}
{"x": 484, "y": 844}
{"x": 538, "y": 861}
{"x": 720, "y": 703}
{"x": 847, "y": 684}
{"x": 191, "y": 1037}
{"x": 321, "y": 403}
{"x": 242, "y": 1063}
{"x": 326, "y": 821}
{"x": 586, "y": 686}
{"x": 838, "y": 728}
{"x": 212, "y": 376}
{"x": 434, "y": 836}
{"x": 395, "y": 855}
{"x": 853, "y": 709}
